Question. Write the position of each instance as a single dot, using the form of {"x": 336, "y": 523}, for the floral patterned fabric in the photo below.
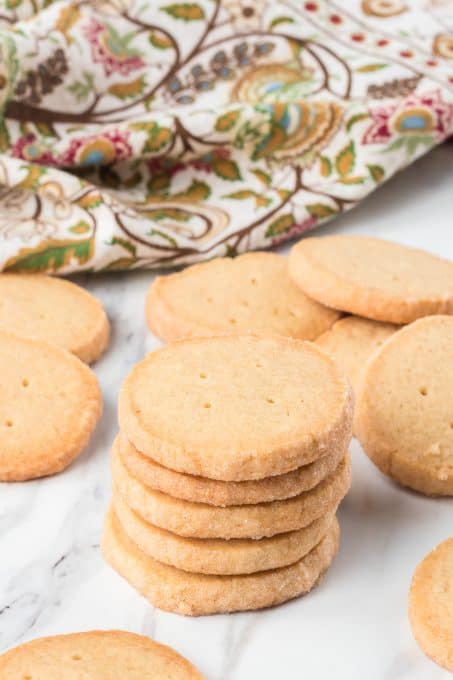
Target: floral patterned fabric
{"x": 142, "y": 133}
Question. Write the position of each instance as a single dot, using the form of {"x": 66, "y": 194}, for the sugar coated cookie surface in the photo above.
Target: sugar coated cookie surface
{"x": 431, "y": 604}
{"x": 404, "y": 415}
{"x": 194, "y": 406}
{"x": 215, "y": 492}
{"x": 192, "y": 594}
{"x": 250, "y": 293}
{"x": 50, "y": 403}
{"x": 373, "y": 278}
{"x": 199, "y": 520}
{"x": 97, "y": 655}
{"x": 55, "y": 310}
{"x": 217, "y": 556}
{"x": 351, "y": 341}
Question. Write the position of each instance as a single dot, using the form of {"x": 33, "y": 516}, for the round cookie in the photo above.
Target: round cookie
{"x": 54, "y": 310}
{"x": 404, "y": 416}
{"x": 97, "y": 655}
{"x": 191, "y": 594}
{"x": 374, "y": 278}
{"x": 216, "y": 492}
{"x": 431, "y": 604}
{"x": 226, "y": 386}
{"x": 250, "y": 293}
{"x": 217, "y": 556}
{"x": 351, "y": 341}
{"x": 50, "y": 403}
{"x": 198, "y": 520}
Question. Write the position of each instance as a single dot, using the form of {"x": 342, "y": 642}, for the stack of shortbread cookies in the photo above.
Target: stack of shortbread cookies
{"x": 230, "y": 464}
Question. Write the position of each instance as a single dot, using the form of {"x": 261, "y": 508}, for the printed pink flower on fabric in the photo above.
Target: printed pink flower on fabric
{"x": 112, "y": 50}
{"x": 97, "y": 149}
{"x": 425, "y": 114}
{"x": 29, "y": 148}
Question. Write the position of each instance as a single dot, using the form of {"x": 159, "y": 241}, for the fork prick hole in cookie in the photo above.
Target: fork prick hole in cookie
{"x": 203, "y": 376}
{"x": 8, "y": 423}
{"x": 270, "y": 400}
{"x": 25, "y": 382}
{"x": 207, "y": 404}
{"x": 76, "y": 657}
{"x": 423, "y": 391}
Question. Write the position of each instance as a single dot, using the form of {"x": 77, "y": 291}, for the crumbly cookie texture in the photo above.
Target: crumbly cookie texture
{"x": 236, "y": 407}
{"x": 372, "y": 277}
{"x": 198, "y": 594}
{"x": 54, "y": 310}
{"x": 98, "y": 655}
{"x": 215, "y": 492}
{"x": 217, "y": 556}
{"x": 431, "y": 604}
{"x": 351, "y": 341}
{"x": 198, "y": 520}
{"x": 50, "y": 403}
{"x": 404, "y": 417}
{"x": 250, "y": 293}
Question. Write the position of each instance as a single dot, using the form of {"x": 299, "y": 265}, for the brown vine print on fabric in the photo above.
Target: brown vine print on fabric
{"x": 139, "y": 133}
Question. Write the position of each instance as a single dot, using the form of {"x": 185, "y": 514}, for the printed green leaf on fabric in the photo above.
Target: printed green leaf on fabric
{"x": 357, "y": 179}
{"x": 34, "y": 175}
{"x": 176, "y": 214}
{"x": 355, "y": 119}
{"x": 166, "y": 237}
{"x": 325, "y": 166}
{"x": 4, "y": 137}
{"x": 128, "y": 90}
{"x": 124, "y": 243}
{"x": 369, "y": 68}
{"x": 51, "y": 256}
{"x": 89, "y": 201}
{"x": 226, "y": 169}
{"x": 345, "y": 159}
{"x": 263, "y": 177}
{"x": 45, "y": 129}
{"x": 81, "y": 227}
{"x": 187, "y": 11}
{"x": 320, "y": 210}
{"x": 160, "y": 40}
{"x": 119, "y": 264}
{"x": 244, "y": 194}
{"x": 377, "y": 172}
{"x": 196, "y": 192}
{"x": 281, "y": 20}
{"x": 227, "y": 120}
{"x": 280, "y": 225}
{"x": 157, "y": 136}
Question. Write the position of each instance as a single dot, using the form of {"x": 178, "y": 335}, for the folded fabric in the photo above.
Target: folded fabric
{"x": 142, "y": 133}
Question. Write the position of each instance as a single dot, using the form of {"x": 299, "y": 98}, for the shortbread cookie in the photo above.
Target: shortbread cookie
{"x": 217, "y": 556}
{"x": 216, "y": 492}
{"x": 183, "y": 592}
{"x": 50, "y": 403}
{"x": 236, "y": 407}
{"x": 54, "y": 310}
{"x": 404, "y": 416}
{"x": 198, "y": 520}
{"x": 351, "y": 341}
{"x": 250, "y": 293}
{"x": 374, "y": 278}
{"x": 97, "y": 655}
{"x": 431, "y": 604}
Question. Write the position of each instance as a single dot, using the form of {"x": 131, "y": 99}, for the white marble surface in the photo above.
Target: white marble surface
{"x": 353, "y": 627}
